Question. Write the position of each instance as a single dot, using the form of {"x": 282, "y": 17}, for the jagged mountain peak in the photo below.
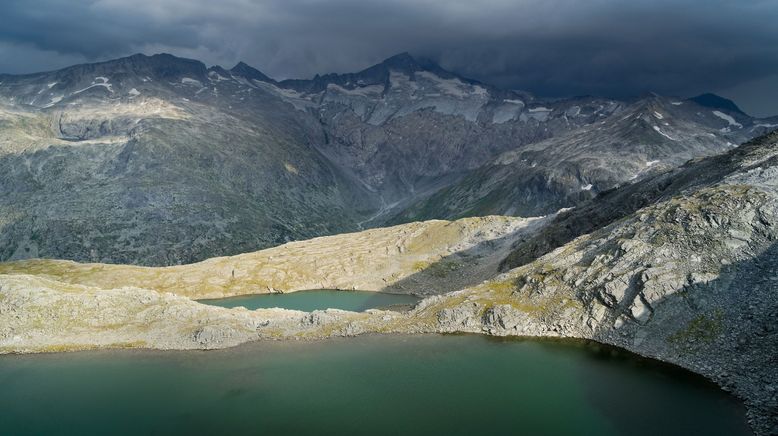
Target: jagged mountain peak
{"x": 409, "y": 64}
{"x": 160, "y": 64}
{"x": 378, "y": 74}
{"x": 653, "y": 99}
{"x": 399, "y": 59}
{"x": 123, "y": 77}
{"x": 405, "y": 62}
{"x": 245, "y": 70}
{"x": 720, "y": 115}
{"x": 717, "y": 102}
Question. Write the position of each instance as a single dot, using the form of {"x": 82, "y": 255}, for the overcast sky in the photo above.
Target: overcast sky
{"x": 553, "y": 48}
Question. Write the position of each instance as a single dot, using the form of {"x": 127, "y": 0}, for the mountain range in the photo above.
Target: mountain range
{"x": 648, "y": 224}
{"x": 159, "y": 160}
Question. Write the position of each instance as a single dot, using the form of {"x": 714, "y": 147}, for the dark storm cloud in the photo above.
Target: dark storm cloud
{"x": 550, "y": 47}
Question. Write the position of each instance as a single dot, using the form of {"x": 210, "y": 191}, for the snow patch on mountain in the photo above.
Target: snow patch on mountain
{"x": 98, "y": 81}
{"x": 406, "y": 95}
{"x": 508, "y": 111}
{"x": 728, "y": 119}
{"x": 54, "y": 100}
{"x": 290, "y": 96}
{"x": 573, "y": 111}
{"x": 214, "y": 76}
{"x": 400, "y": 82}
{"x": 365, "y": 91}
{"x": 452, "y": 87}
{"x": 540, "y": 113}
{"x": 190, "y": 81}
{"x": 658, "y": 130}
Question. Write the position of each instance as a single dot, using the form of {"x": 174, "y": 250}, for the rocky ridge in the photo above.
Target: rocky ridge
{"x": 158, "y": 160}
{"x": 406, "y": 258}
{"x": 641, "y": 139}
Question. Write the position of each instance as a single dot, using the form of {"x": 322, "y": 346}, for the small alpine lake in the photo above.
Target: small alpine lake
{"x": 307, "y": 301}
{"x": 382, "y": 385}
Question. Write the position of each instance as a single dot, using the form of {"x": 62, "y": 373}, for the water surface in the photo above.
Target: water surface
{"x": 355, "y": 301}
{"x": 383, "y": 385}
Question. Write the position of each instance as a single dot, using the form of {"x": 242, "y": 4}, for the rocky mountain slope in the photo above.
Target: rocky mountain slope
{"x": 690, "y": 278}
{"x": 679, "y": 266}
{"x": 646, "y": 137}
{"x": 407, "y": 128}
{"x": 460, "y": 253}
{"x": 160, "y": 160}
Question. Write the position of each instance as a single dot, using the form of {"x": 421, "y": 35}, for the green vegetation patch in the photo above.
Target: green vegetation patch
{"x": 700, "y": 330}
{"x": 439, "y": 269}
{"x": 421, "y": 265}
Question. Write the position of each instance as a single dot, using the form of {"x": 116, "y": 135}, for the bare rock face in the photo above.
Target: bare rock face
{"x": 161, "y": 161}
{"x": 210, "y": 336}
{"x": 636, "y": 141}
{"x": 459, "y": 318}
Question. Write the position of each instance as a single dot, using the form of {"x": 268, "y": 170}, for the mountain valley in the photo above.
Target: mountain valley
{"x": 131, "y": 189}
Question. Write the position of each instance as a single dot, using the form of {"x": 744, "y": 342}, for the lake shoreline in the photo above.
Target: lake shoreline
{"x": 571, "y": 341}
{"x": 491, "y": 359}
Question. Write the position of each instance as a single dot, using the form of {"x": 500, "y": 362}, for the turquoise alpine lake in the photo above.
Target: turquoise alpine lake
{"x": 378, "y": 385}
{"x": 355, "y": 301}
